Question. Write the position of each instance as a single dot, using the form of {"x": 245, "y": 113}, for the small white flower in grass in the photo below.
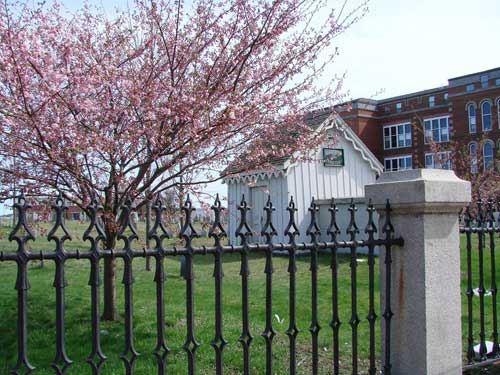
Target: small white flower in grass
{"x": 486, "y": 294}
{"x": 489, "y": 347}
{"x": 280, "y": 320}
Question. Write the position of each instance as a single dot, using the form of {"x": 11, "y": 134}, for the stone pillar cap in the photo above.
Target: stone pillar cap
{"x": 434, "y": 189}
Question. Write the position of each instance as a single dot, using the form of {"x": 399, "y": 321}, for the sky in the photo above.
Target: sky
{"x": 403, "y": 46}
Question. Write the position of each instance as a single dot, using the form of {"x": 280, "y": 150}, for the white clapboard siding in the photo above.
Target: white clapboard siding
{"x": 275, "y": 186}
{"x": 313, "y": 179}
{"x": 303, "y": 181}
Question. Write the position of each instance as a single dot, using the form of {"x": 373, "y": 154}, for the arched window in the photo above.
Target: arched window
{"x": 498, "y": 112}
{"x": 486, "y": 113}
{"x": 471, "y": 109}
{"x": 473, "y": 157}
{"x": 488, "y": 155}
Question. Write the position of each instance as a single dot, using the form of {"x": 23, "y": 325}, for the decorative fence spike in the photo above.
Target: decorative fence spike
{"x": 158, "y": 233}
{"x": 23, "y": 365}
{"x": 268, "y": 231}
{"x": 490, "y": 220}
{"x": 314, "y": 232}
{"x": 244, "y": 232}
{"x": 371, "y": 229}
{"x": 292, "y": 231}
{"x": 333, "y": 231}
{"x": 217, "y": 232}
{"x": 188, "y": 233}
{"x": 352, "y": 230}
{"x": 96, "y": 358}
{"x": 61, "y": 361}
{"x": 481, "y": 223}
{"x": 130, "y": 354}
{"x": 388, "y": 314}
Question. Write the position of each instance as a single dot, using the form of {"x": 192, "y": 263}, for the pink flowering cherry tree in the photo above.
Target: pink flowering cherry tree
{"x": 129, "y": 106}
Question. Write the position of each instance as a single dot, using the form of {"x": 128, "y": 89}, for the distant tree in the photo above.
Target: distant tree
{"x": 125, "y": 107}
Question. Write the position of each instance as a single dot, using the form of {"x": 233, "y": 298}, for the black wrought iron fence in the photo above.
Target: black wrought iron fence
{"x": 158, "y": 234}
{"x": 481, "y": 230}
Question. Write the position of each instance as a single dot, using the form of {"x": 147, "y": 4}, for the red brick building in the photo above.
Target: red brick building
{"x": 404, "y": 131}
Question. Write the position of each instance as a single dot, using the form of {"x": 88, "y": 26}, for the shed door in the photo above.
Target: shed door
{"x": 258, "y": 199}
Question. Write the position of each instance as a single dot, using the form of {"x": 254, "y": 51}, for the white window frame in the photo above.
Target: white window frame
{"x": 491, "y": 165}
{"x": 488, "y": 114}
{"x": 399, "y": 157}
{"x": 473, "y": 158}
{"x": 472, "y": 119}
{"x": 430, "y": 119}
{"x": 432, "y": 101}
{"x": 498, "y": 112}
{"x": 447, "y": 156}
{"x": 396, "y": 126}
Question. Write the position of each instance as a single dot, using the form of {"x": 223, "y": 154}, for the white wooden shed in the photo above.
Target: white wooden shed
{"x": 340, "y": 171}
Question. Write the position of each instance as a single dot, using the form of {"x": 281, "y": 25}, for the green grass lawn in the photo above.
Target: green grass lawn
{"x": 42, "y": 313}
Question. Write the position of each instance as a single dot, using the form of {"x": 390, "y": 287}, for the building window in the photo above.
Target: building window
{"x": 473, "y": 157}
{"x": 498, "y": 112}
{"x": 398, "y": 163}
{"x": 445, "y": 97}
{"x": 484, "y": 81}
{"x": 497, "y": 82}
{"x": 438, "y": 160}
{"x": 432, "y": 101}
{"x": 469, "y": 88}
{"x": 488, "y": 155}
{"x": 471, "y": 109}
{"x": 399, "y": 107}
{"x": 387, "y": 109}
{"x": 436, "y": 130}
{"x": 396, "y": 136}
{"x": 486, "y": 114}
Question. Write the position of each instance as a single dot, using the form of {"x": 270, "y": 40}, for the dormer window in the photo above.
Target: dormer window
{"x": 432, "y": 101}
{"x": 484, "y": 81}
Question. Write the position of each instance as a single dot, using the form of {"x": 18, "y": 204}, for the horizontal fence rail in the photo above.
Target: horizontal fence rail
{"x": 480, "y": 227}
{"x": 158, "y": 233}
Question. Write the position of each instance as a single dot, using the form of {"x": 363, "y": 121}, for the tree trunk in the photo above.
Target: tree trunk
{"x": 109, "y": 296}
{"x": 109, "y": 312}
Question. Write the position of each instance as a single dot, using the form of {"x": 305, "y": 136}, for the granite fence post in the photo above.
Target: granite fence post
{"x": 426, "y": 329}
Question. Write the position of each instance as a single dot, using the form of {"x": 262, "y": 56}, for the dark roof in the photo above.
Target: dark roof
{"x": 313, "y": 119}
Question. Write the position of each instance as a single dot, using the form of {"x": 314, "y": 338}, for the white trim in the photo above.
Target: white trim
{"x": 334, "y": 121}
{"x": 473, "y": 159}
{"x": 254, "y": 176}
{"x": 483, "y": 102}
{"x": 490, "y": 142}
{"x": 434, "y": 154}
{"x": 398, "y": 157}
{"x": 473, "y": 105}
{"x": 389, "y": 126}
{"x": 498, "y": 112}
{"x": 432, "y": 137}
